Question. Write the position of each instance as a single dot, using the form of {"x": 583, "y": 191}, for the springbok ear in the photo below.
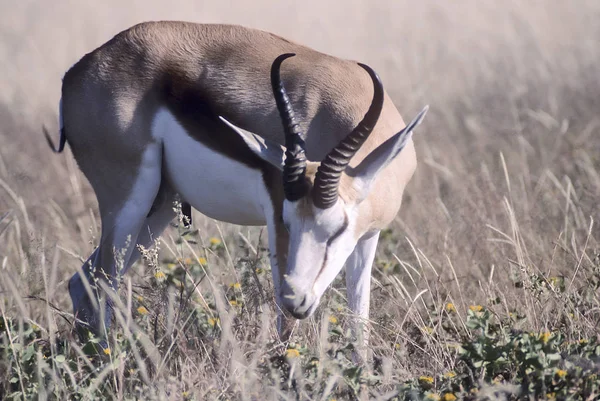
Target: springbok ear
{"x": 271, "y": 152}
{"x": 366, "y": 172}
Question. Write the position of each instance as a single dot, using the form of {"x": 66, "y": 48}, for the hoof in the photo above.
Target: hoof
{"x": 88, "y": 322}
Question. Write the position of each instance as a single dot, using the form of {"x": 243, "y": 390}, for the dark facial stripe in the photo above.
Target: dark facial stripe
{"x": 330, "y": 241}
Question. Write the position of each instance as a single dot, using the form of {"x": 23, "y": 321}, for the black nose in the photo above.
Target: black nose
{"x": 296, "y": 304}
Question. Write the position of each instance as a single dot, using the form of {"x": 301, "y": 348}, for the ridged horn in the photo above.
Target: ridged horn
{"x": 327, "y": 179}
{"x": 294, "y": 169}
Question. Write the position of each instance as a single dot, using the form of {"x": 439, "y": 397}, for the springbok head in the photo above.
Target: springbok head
{"x": 323, "y": 223}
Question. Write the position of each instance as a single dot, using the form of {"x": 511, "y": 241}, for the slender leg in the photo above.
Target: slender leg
{"x": 121, "y": 225}
{"x": 358, "y": 287}
{"x": 278, "y": 248}
{"x": 152, "y": 228}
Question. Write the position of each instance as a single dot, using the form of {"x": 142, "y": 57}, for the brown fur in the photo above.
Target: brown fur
{"x": 200, "y": 71}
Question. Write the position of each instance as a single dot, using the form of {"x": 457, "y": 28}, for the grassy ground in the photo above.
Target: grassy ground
{"x": 485, "y": 287}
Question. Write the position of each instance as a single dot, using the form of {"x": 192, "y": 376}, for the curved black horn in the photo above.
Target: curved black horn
{"x": 294, "y": 168}
{"x": 328, "y": 175}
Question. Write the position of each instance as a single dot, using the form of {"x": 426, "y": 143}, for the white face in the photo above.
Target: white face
{"x": 320, "y": 242}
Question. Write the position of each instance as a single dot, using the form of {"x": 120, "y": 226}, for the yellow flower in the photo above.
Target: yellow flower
{"x": 476, "y": 308}
{"x": 171, "y": 266}
{"x": 545, "y": 337}
{"x": 292, "y": 353}
{"x": 551, "y": 396}
{"x": 213, "y": 321}
{"x": 333, "y": 319}
{"x": 433, "y": 397}
{"x": 450, "y": 374}
{"x": 132, "y": 371}
{"x": 159, "y": 275}
{"x": 450, "y": 308}
{"x": 397, "y": 346}
{"x": 139, "y": 298}
{"x": 215, "y": 241}
{"x": 236, "y": 286}
{"x": 185, "y": 394}
{"x": 426, "y": 381}
{"x": 233, "y": 302}
{"x": 202, "y": 260}
{"x": 106, "y": 351}
{"x": 561, "y": 373}
{"x": 142, "y": 310}
{"x": 449, "y": 397}
{"x": 428, "y": 330}
{"x": 259, "y": 270}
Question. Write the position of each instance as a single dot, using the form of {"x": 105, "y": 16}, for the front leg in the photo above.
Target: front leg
{"x": 358, "y": 287}
{"x": 285, "y": 322}
{"x": 278, "y": 247}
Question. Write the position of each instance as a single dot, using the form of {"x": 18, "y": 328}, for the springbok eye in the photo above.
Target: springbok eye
{"x": 340, "y": 231}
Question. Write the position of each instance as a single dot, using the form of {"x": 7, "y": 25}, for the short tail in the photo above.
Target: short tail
{"x": 61, "y": 142}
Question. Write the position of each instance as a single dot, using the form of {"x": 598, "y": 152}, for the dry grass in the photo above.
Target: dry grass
{"x": 507, "y": 191}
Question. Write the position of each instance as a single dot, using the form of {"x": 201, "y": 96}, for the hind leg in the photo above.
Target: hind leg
{"x": 151, "y": 229}
{"x": 125, "y": 199}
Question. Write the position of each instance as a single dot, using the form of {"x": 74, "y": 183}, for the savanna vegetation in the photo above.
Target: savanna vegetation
{"x": 485, "y": 287}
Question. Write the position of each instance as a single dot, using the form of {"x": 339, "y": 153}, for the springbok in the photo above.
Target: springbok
{"x": 150, "y": 117}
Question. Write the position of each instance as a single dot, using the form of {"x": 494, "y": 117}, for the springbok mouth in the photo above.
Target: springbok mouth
{"x": 303, "y": 314}
{"x": 304, "y": 310}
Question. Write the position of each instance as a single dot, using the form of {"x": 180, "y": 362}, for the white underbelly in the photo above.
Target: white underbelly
{"x": 213, "y": 184}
